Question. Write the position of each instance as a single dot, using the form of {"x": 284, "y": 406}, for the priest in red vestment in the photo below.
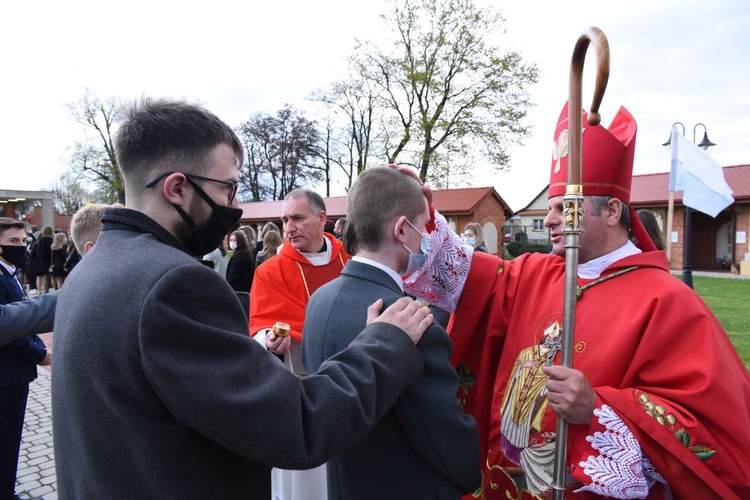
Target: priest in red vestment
{"x": 658, "y": 399}
{"x": 282, "y": 286}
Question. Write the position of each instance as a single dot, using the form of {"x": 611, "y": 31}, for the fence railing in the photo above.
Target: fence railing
{"x": 519, "y": 239}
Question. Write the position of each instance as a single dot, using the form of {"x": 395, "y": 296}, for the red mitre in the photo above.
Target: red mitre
{"x": 606, "y": 162}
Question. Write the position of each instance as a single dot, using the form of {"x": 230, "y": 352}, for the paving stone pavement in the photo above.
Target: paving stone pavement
{"x": 36, "y": 477}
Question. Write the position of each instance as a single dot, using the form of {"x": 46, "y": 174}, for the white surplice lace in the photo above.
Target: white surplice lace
{"x": 441, "y": 280}
{"x": 620, "y": 470}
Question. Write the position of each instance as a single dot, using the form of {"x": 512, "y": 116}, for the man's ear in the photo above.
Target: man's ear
{"x": 399, "y": 229}
{"x": 175, "y": 188}
{"x": 322, "y": 218}
{"x": 615, "y": 211}
{"x": 88, "y": 246}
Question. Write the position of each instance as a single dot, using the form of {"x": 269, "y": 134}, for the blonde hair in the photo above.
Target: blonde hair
{"x": 271, "y": 243}
{"x": 86, "y": 225}
{"x": 58, "y": 243}
{"x": 475, "y": 228}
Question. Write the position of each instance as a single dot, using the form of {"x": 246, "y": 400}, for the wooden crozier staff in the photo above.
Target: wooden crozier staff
{"x": 573, "y": 211}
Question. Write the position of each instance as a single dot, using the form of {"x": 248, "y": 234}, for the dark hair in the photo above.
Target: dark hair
{"x": 599, "y": 202}
{"x": 378, "y": 195}
{"x": 8, "y": 223}
{"x": 241, "y": 238}
{"x": 648, "y": 219}
{"x": 159, "y": 135}
{"x": 314, "y": 200}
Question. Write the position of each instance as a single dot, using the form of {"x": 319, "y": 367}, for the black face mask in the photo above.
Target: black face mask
{"x": 14, "y": 254}
{"x": 207, "y": 237}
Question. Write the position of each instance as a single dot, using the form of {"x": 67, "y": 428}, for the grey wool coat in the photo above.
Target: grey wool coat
{"x": 159, "y": 392}
{"x": 425, "y": 446}
{"x": 27, "y": 317}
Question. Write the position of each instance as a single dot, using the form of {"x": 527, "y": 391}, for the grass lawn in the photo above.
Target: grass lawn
{"x": 729, "y": 299}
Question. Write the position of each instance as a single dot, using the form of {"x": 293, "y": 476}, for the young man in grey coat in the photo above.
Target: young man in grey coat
{"x": 425, "y": 446}
{"x": 157, "y": 389}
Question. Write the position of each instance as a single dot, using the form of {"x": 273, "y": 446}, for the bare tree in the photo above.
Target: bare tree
{"x": 281, "y": 154}
{"x": 355, "y": 102}
{"x": 94, "y": 158}
{"x": 69, "y": 194}
{"x": 443, "y": 87}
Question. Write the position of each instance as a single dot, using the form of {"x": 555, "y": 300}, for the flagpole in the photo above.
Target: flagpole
{"x": 703, "y": 187}
{"x": 670, "y": 220}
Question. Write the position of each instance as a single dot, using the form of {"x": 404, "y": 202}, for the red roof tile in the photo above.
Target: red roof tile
{"x": 653, "y": 189}
{"x": 447, "y": 201}
{"x": 463, "y": 200}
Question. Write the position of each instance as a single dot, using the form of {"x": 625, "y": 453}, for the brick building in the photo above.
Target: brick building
{"x": 717, "y": 244}
{"x": 459, "y": 207}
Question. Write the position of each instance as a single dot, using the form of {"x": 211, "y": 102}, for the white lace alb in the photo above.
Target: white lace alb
{"x": 620, "y": 470}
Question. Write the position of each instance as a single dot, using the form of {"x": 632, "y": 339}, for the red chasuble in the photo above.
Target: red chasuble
{"x": 653, "y": 351}
{"x": 283, "y": 284}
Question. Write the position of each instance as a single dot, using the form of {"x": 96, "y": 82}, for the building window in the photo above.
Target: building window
{"x": 538, "y": 224}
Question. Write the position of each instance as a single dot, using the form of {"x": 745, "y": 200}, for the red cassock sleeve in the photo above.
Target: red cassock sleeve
{"x": 272, "y": 298}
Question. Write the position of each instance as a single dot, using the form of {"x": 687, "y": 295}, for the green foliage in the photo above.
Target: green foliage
{"x": 445, "y": 91}
{"x": 728, "y": 299}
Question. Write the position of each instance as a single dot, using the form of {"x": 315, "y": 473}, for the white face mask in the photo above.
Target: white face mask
{"x": 417, "y": 260}
{"x": 233, "y": 245}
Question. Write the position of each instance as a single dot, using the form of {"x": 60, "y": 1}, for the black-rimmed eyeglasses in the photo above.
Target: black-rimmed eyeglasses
{"x": 231, "y": 186}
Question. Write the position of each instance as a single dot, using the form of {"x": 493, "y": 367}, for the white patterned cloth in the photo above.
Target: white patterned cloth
{"x": 441, "y": 280}
{"x": 620, "y": 470}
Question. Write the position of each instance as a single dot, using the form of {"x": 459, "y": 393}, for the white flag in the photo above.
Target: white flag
{"x": 699, "y": 176}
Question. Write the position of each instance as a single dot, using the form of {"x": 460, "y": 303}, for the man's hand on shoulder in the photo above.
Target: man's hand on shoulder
{"x": 407, "y": 314}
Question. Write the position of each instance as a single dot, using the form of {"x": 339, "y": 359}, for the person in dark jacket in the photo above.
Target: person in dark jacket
{"x": 425, "y": 446}
{"x": 43, "y": 260}
{"x": 59, "y": 253}
{"x": 18, "y": 359}
{"x": 157, "y": 388}
{"x": 241, "y": 266}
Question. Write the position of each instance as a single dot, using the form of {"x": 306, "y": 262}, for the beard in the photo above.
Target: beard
{"x": 199, "y": 212}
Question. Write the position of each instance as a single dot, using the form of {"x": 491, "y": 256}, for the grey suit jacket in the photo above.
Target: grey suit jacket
{"x": 158, "y": 391}
{"x": 27, "y": 317}
{"x": 425, "y": 446}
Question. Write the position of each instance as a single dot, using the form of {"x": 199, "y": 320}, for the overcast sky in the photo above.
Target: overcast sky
{"x": 686, "y": 61}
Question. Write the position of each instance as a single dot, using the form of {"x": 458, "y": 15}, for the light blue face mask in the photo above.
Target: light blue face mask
{"x": 417, "y": 260}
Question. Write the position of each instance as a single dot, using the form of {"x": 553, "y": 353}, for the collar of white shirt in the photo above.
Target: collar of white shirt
{"x": 393, "y": 274}
{"x": 593, "y": 268}
{"x": 319, "y": 258}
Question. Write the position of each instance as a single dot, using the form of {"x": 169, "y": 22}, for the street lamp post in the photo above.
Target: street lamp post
{"x": 687, "y": 252}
